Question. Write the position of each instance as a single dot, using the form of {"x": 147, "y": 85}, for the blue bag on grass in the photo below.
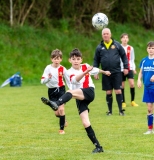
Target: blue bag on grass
{"x": 16, "y": 81}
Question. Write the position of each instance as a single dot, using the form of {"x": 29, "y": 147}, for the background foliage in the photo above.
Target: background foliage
{"x": 77, "y": 13}
{"x": 32, "y": 29}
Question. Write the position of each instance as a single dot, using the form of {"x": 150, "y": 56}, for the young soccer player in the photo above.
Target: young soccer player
{"x": 82, "y": 89}
{"x": 147, "y": 74}
{"x": 53, "y": 78}
{"x": 131, "y": 70}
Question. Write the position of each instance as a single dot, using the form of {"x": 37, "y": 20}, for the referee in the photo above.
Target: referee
{"x": 108, "y": 54}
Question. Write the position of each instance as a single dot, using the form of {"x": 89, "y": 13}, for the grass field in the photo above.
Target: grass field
{"x": 29, "y": 129}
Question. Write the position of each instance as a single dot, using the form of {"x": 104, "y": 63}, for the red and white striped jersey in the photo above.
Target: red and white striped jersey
{"x": 129, "y": 50}
{"x": 57, "y": 76}
{"x": 86, "y": 81}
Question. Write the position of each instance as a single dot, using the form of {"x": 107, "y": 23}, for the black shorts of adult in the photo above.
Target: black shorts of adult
{"x": 89, "y": 95}
{"x": 130, "y": 75}
{"x": 114, "y": 81}
{"x": 55, "y": 93}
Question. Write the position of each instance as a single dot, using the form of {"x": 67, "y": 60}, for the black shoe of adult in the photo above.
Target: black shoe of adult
{"x": 52, "y": 104}
{"x": 108, "y": 113}
{"x": 98, "y": 150}
{"x": 121, "y": 113}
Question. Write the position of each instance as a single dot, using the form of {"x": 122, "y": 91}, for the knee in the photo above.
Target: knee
{"x": 70, "y": 91}
{"x": 109, "y": 92}
{"x": 86, "y": 124}
{"x": 60, "y": 111}
{"x": 118, "y": 91}
{"x": 132, "y": 85}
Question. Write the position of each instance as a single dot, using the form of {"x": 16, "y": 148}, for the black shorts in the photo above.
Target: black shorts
{"x": 55, "y": 93}
{"x": 114, "y": 81}
{"x": 130, "y": 75}
{"x": 89, "y": 95}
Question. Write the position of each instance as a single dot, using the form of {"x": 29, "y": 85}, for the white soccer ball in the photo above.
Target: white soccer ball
{"x": 100, "y": 21}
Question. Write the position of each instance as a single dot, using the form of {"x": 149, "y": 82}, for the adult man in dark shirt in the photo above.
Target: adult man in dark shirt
{"x": 108, "y": 54}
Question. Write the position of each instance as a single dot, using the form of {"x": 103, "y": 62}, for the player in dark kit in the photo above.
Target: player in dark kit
{"x": 108, "y": 53}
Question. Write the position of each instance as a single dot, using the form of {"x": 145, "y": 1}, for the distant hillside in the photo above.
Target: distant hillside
{"x": 27, "y": 49}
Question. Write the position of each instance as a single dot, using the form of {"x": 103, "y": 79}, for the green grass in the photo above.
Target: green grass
{"x": 29, "y": 129}
{"x": 27, "y": 49}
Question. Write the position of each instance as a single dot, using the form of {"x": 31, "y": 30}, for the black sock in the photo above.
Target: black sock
{"x": 119, "y": 101}
{"x": 123, "y": 94}
{"x": 109, "y": 100}
{"x": 64, "y": 98}
{"x": 62, "y": 122}
{"x": 92, "y": 137}
{"x": 132, "y": 93}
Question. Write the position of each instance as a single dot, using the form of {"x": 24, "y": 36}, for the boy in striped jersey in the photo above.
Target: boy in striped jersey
{"x": 129, "y": 50}
{"x": 53, "y": 78}
{"x": 82, "y": 89}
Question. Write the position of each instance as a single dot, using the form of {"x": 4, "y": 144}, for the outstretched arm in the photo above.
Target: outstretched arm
{"x": 80, "y": 76}
{"x": 108, "y": 73}
{"x": 139, "y": 83}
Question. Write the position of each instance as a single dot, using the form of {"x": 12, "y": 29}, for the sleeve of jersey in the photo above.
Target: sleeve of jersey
{"x": 73, "y": 79}
{"x": 141, "y": 63}
{"x": 123, "y": 57}
{"x": 133, "y": 58}
{"x": 44, "y": 78}
{"x": 94, "y": 71}
{"x": 66, "y": 77}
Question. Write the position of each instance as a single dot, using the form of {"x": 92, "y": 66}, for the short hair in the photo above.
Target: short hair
{"x": 75, "y": 52}
{"x": 150, "y": 44}
{"x": 106, "y": 29}
{"x": 124, "y": 34}
{"x": 56, "y": 53}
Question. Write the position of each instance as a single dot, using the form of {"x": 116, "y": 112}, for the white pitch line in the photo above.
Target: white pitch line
{"x": 129, "y": 153}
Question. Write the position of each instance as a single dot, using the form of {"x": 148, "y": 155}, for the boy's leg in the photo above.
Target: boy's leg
{"x": 150, "y": 118}
{"x": 77, "y": 94}
{"x": 61, "y": 119}
{"x": 90, "y": 132}
{"x": 62, "y": 124}
{"x": 132, "y": 89}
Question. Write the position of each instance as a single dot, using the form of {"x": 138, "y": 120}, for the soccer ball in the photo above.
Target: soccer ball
{"x": 100, "y": 21}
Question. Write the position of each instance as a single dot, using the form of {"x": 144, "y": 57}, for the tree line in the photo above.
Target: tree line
{"x": 76, "y": 13}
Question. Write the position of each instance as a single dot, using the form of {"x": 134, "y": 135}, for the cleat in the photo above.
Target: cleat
{"x": 61, "y": 132}
{"x": 98, "y": 150}
{"x": 149, "y": 132}
{"x": 108, "y": 113}
{"x": 52, "y": 104}
{"x": 123, "y": 105}
{"x": 134, "y": 104}
{"x": 121, "y": 113}
{"x": 66, "y": 124}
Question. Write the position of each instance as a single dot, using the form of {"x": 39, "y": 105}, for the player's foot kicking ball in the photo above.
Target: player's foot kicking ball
{"x": 52, "y": 104}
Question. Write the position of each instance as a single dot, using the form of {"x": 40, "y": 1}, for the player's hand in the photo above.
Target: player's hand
{"x": 89, "y": 68}
{"x": 152, "y": 79}
{"x": 108, "y": 73}
{"x": 139, "y": 83}
{"x": 96, "y": 76}
{"x": 125, "y": 71}
{"x": 49, "y": 75}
